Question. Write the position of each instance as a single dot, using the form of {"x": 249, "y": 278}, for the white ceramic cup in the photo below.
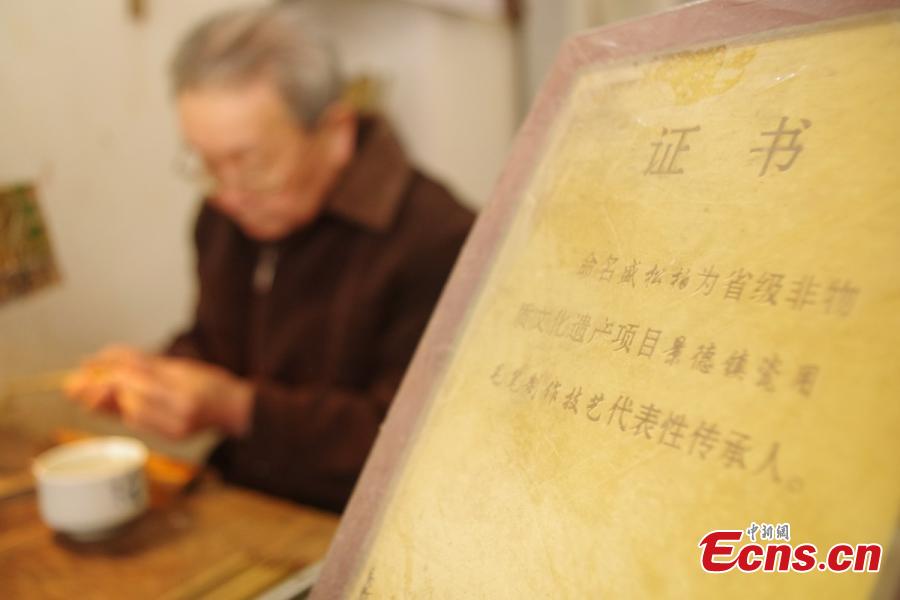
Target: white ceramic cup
{"x": 87, "y": 489}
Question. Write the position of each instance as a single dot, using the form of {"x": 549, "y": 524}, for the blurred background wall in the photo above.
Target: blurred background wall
{"x": 85, "y": 112}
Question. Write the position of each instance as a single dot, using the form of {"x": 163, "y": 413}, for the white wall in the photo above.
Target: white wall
{"x": 84, "y": 110}
{"x": 451, "y": 86}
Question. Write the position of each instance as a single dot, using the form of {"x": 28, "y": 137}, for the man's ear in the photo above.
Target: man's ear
{"x": 338, "y": 126}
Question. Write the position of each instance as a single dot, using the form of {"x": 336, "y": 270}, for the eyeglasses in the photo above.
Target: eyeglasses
{"x": 257, "y": 178}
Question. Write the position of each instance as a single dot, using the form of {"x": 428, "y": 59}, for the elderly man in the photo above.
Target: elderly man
{"x": 321, "y": 254}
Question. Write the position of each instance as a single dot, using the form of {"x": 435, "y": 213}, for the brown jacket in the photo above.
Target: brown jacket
{"x": 327, "y": 338}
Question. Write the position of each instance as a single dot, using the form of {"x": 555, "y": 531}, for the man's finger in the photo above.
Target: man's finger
{"x": 141, "y": 413}
{"x": 148, "y": 403}
{"x": 91, "y": 392}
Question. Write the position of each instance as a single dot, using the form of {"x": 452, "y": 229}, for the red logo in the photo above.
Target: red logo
{"x": 721, "y": 551}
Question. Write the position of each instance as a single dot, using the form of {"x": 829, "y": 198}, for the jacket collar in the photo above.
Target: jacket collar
{"x": 370, "y": 189}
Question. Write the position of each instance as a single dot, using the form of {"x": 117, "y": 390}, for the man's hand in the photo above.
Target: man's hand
{"x": 92, "y": 384}
{"x": 172, "y": 396}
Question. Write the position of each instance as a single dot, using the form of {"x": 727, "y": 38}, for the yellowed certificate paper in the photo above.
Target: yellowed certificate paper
{"x": 692, "y": 325}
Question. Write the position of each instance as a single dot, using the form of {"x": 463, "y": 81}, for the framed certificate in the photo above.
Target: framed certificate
{"x": 666, "y": 364}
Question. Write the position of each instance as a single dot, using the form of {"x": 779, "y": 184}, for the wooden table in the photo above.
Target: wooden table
{"x": 215, "y": 540}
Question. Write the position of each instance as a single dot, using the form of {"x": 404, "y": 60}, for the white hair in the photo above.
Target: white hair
{"x": 275, "y": 40}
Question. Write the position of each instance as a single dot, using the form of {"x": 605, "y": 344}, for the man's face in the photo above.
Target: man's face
{"x": 270, "y": 174}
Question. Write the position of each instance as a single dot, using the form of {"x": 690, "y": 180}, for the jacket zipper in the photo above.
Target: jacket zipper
{"x": 263, "y": 279}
